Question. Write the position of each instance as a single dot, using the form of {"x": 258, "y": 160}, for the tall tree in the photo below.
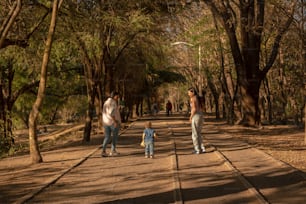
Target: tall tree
{"x": 33, "y": 140}
{"x": 246, "y": 49}
{"x": 9, "y": 94}
{"x": 15, "y": 31}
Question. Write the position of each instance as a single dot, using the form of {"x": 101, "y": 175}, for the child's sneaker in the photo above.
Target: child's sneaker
{"x": 146, "y": 156}
{"x": 152, "y": 157}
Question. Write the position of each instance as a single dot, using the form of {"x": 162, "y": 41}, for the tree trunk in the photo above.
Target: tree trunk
{"x": 88, "y": 122}
{"x": 91, "y": 68}
{"x": 33, "y": 140}
{"x": 268, "y": 100}
{"x": 249, "y": 101}
{"x": 214, "y": 93}
{"x": 109, "y": 79}
{"x": 229, "y": 96}
{"x": 90, "y": 99}
{"x": 89, "y": 114}
{"x": 99, "y": 104}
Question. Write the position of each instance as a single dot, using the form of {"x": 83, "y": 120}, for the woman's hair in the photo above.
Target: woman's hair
{"x": 193, "y": 90}
{"x": 148, "y": 124}
{"x": 200, "y": 101}
{"x": 114, "y": 93}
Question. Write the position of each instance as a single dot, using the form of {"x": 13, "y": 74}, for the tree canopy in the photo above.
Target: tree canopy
{"x": 246, "y": 63}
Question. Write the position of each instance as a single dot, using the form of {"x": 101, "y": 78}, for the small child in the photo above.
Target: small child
{"x": 148, "y": 137}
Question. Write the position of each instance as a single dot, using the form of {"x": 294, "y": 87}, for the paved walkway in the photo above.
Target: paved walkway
{"x": 230, "y": 172}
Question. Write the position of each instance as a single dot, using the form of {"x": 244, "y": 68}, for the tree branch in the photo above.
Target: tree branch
{"x": 7, "y": 24}
{"x": 277, "y": 40}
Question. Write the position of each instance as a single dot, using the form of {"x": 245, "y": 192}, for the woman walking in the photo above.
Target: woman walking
{"x": 196, "y": 119}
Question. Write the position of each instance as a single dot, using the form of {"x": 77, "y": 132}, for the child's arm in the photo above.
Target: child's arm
{"x": 142, "y": 141}
{"x": 155, "y": 135}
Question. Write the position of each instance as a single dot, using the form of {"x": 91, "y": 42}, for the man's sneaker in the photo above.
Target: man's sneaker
{"x": 203, "y": 151}
{"x": 103, "y": 154}
{"x": 146, "y": 156}
{"x": 113, "y": 153}
{"x": 152, "y": 157}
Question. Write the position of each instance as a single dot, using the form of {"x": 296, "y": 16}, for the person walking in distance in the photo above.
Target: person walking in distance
{"x": 196, "y": 119}
{"x": 111, "y": 123}
{"x": 169, "y": 108}
{"x": 148, "y": 137}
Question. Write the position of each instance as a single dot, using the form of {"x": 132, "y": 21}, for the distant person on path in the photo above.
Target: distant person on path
{"x": 155, "y": 109}
{"x": 169, "y": 108}
{"x": 196, "y": 119}
{"x": 148, "y": 137}
{"x": 111, "y": 123}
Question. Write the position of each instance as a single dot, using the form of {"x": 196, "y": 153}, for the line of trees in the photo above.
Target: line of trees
{"x": 97, "y": 47}
{"x": 86, "y": 49}
{"x": 253, "y": 64}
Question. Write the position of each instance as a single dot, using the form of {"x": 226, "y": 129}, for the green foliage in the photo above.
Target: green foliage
{"x": 130, "y": 32}
{"x": 164, "y": 76}
{"x": 74, "y": 109}
{"x": 47, "y": 3}
{"x": 21, "y": 110}
{"x": 64, "y": 54}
